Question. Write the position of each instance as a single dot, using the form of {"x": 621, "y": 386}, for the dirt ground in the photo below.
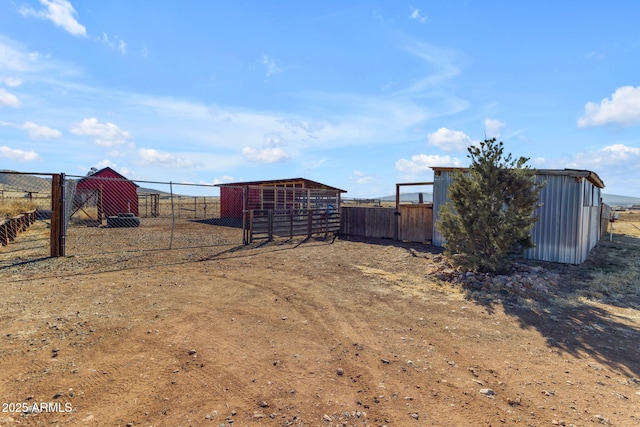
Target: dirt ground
{"x": 322, "y": 332}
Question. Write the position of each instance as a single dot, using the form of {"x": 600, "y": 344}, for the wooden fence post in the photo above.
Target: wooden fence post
{"x": 270, "y": 223}
{"x": 57, "y": 237}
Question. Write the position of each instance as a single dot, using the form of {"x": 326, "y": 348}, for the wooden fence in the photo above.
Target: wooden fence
{"x": 413, "y": 223}
{"x": 267, "y": 223}
{"x": 11, "y": 227}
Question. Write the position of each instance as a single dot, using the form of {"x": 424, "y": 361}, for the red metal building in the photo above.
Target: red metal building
{"x": 116, "y": 193}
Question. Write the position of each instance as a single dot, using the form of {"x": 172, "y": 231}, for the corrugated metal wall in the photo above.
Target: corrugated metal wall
{"x": 568, "y": 224}
{"x": 441, "y": 181}
{"x": 556, "y": 234}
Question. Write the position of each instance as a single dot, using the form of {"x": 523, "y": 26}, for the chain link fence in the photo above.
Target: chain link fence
{"x": 25, "y": 217}
{"x": 103, "y": 213}
{"x": 113, "y": 214}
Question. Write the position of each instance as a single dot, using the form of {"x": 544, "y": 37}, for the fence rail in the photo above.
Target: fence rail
{"x": 269, "y": 223}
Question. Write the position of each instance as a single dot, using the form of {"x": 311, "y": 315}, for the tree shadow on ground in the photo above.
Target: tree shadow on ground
{"x": 594, "y": 311}
{"x": 414, "y": 248}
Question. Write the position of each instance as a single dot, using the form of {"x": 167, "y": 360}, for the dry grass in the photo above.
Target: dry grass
{"x": 13, "y": 207}
{"x": 614, "y": 265}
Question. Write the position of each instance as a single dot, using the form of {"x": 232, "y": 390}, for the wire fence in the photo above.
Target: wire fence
{"x": 43, "y": 215}
{"x": 25, "y": 217}
{"x": 110, "y": 213}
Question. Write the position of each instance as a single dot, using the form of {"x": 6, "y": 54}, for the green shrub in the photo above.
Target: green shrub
{"x": 489, "y": 217}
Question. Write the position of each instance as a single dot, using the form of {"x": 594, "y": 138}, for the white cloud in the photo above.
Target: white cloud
{"x": 8, "y": 99}
{"x": 222, "y": 180}
{"x": 315, "y": 163}
{"x": 417, "y": 15}
{"x": 15, "y": 59}
{"x": 106, "y": 164}
{"x": 273, "y": 140}
{"x": 150, "y": 156}
{"x": 617, "y": 155}
{"x": 493, "y": 127}
{"x": 449, "y": 140}
{"x": 594, "y": 55}
{"x": 17, "y": 155}
{"x": 444, "y": 64}
{"x": 104, "y": 134}
{"x": 60, "y": 12}
{"x": 271, "y": 151}
{"x": 118, "y": 43}
{"x": 270, "y": 63}
{"x": 12, "y": 81}
{"x": 422, "y": 163}
{"x": 362, "y": 178}
{"x": 40, "y": 132}
{"x": 265, "y": 155}
{"x": 622, "y": 109}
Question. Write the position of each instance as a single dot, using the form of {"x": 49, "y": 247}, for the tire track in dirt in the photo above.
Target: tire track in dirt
{"x": 329, "y": 321}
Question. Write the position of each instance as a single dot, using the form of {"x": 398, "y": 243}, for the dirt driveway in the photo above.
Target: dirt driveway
{"x": 316, "y": 333}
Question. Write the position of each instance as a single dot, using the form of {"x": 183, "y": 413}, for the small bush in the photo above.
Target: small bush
{"x": 490, "y": 214}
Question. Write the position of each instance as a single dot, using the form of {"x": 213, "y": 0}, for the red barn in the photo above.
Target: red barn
{"x": 275, "y": 194}
{"x": 116, "y": 193}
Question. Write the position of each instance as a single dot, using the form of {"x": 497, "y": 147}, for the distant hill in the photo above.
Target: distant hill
{"x": 624, "y": 201}
{"x": 24, "y": 183}
{"x": 408, "y": 198}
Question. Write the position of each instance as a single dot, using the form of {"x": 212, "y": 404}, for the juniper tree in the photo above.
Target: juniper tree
{"x": 489, "y": 217}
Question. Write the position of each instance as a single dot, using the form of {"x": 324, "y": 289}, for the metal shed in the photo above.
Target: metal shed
{"x": 569, "y": 221}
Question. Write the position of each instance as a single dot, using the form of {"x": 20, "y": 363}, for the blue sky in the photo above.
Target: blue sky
{"x": 359, "y": 95}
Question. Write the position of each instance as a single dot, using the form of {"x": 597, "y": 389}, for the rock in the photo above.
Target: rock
{"x": 415, "y": 415}
{"x": 191, "y": 352}
{"x": 385, "y": 361}
{"x": 327, "y": 418}
{"x": 514, "y": 402}
{"x": 263, "y": 404}
{"x": 340, "y": 372}
{"x": 487, "y": 392}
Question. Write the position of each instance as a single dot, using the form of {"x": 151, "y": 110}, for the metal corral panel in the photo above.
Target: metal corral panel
{"x": 568, "y": 225}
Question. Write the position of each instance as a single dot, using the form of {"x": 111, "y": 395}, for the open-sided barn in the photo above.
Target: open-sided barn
{"x": 570, "y": 220}
{"x": 113, "y": 193}
{"x": 275, "y": 194}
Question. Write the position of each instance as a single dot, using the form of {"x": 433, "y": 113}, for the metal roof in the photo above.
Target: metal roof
{"x": 577, "y": 173}
{"x": 278, "y": 182}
